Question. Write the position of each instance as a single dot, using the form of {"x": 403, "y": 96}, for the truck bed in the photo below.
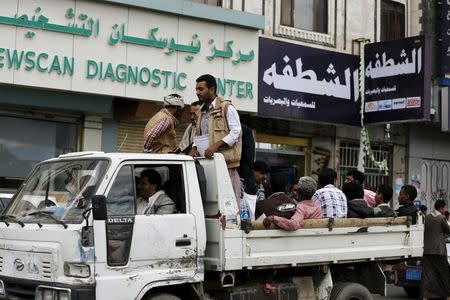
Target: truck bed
{"x": 349, "y": 240}
{"x": 233, "y": 249}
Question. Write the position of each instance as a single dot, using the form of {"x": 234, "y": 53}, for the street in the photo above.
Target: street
{"x": 393, "y": 293}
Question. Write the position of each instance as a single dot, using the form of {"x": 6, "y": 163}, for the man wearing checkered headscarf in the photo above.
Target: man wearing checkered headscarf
{"x": 159, "y": 133}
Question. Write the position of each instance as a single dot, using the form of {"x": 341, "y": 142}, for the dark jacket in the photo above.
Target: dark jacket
{"x": 408, "y": 210}
{"x": 436, "y": 228}
{"x": 278, "y": 204}
{"x": 383, "y": 210}
{"x": 247, "y": 160}
{"x": 357, "y": 208}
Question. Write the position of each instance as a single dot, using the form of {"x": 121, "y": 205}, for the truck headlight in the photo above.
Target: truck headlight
{"x": 77, "y": 270}
{"x": 51, "y": 293}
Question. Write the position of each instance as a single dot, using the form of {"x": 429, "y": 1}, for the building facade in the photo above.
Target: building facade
{"x": 87, "y": 75}
{"x": 340, "y": 26}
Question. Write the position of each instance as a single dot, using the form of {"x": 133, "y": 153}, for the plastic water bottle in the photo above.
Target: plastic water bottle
{"x": 245, "y": 216}
{"x": 244, "y": 210}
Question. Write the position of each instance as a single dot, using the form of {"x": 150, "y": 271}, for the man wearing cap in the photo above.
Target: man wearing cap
{"x": 159, "y": 133}
{"x": 305, "y": 209}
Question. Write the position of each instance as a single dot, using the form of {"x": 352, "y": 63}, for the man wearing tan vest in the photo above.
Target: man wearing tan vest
{"x": 225, "y": 137}
{"x": 159, "y": 133}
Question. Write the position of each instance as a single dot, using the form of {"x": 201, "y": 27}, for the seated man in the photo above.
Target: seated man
{"x": 357, "y": 206}
{"x": 278, "y": 204}
{"x": 354, "y": 175}
{"x": 329, "y": 197}
{"x": 305, "y": 209}
{"x": 408, "y": 194}
{"x": 382, "y": 198}
{"x": 152, "y": 199}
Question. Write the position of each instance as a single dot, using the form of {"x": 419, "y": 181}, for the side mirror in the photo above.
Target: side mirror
{"x": 99, "y": 207}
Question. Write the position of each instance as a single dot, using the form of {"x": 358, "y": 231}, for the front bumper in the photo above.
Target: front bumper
{"x": 26, "y": 289}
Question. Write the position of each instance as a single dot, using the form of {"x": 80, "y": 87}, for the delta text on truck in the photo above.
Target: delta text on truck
{"x": 72, "y": 232}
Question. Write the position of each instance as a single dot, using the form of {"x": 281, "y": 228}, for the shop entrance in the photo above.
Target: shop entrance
{"x": 288, "y": 156}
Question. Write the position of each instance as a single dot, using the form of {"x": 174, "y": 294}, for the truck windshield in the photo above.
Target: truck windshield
{"x": 61, "y": 190}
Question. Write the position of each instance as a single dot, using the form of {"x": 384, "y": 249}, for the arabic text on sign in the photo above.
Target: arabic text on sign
{"x": 306, "y": 80}
{"x": 387, "y": 67}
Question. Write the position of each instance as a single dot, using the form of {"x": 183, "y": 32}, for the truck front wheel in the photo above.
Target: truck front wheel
{"x": 350, "y": 291}
{"x": 162, "y": 297}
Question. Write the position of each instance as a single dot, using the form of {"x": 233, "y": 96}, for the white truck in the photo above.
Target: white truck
{"x": 71, "y": 232}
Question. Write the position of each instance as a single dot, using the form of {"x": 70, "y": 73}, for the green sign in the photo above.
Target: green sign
{"x": 103, "y": 71}
{"x": 87, "y": 27}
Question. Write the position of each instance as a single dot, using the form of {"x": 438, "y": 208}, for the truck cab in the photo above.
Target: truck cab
{"x": 53, "y": 248}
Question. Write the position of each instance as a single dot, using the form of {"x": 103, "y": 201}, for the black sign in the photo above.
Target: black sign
{"x": 398, "y": 80}
{"x": 445, "y": 35}
{"x": 304, "y": 83}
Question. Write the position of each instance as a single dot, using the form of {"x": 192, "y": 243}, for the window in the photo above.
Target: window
{"x": 286, "y": 157}
{"x": 349, "y": 160}
{"x": 121, "y": 199}
{"x": 172, "y": 185}
{"x": 25, "y": 142}
{"x": 61, "y": 189}
{"x": 309, "y": 15}
{"x": 209, "y": 2}
{"x": 392, "y": 20}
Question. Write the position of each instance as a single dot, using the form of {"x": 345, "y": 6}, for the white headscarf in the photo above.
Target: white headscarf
{"x": 173, "y": 100}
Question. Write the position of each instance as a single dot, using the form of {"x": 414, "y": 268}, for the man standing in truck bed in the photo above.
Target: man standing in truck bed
{"x": 159, "y": 133}
{"x": 219, "y": 121}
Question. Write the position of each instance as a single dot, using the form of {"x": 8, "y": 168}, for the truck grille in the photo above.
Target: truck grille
{"x": 46, "y": 269}
{"x": 1, "y": 264}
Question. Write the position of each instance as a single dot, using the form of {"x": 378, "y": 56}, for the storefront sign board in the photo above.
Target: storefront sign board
{"x": 445, "y": 36}
{"x": 398, "y": 80}
{"x": 304, "y": 83}
{"x": 97, "y": 48}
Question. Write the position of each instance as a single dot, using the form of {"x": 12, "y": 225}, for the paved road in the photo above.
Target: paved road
{"x": 393, "y": 293}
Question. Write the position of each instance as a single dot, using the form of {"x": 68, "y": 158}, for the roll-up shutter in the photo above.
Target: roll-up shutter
{"x": 131, "y": 135}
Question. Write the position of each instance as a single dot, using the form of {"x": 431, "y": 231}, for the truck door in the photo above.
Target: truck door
{"x": 164, "y": 240}
{"x": 148, "y": 248}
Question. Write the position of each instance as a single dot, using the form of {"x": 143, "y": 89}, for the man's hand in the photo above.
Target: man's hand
{"x": 268, "y": 221}
{"x": 213, "y": 149}
{"x": 193, "y": 151}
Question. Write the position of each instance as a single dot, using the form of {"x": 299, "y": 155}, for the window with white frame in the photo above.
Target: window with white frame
{"x": 309, "y": 15}
{"x": 209, "y": 2}
{"x": 306, "y": 20}
{"x": 392, "y": 20}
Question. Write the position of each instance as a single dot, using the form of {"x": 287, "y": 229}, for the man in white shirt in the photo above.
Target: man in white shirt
{"x": 191, "y": 130}
{"x": 225, "y": 137}
{"x": 152, "y": 199}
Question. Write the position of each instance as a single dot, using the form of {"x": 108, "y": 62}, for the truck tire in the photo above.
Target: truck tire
{"x": 412, "y": 291}
{"x": 350, "y": 291}
{"x": 162, "y": 297}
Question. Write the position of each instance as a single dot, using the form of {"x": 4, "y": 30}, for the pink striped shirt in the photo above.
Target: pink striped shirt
{"x": 306, "y": 209}
{"x": 369, "y": 197}
{"x": 154, "y": 133}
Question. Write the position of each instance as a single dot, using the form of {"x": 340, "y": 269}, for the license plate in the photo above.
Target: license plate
{"x": 413, "y": 274}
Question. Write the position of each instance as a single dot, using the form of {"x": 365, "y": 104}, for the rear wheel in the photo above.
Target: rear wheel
{"x": 350, "y": 291}
{"x": 412, "y": 291}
